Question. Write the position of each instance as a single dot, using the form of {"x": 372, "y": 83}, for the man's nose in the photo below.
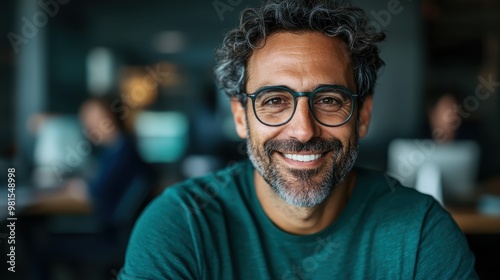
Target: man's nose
{"x": 302, "y": 126}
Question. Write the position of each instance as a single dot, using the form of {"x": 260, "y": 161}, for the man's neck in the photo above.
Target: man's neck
{"x": 303, "y": 220}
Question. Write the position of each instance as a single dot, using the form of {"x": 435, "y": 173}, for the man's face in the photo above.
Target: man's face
{"x": 301, "y": 160}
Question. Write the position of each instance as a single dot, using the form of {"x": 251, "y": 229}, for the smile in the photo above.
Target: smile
{"x": 303, "y": 158}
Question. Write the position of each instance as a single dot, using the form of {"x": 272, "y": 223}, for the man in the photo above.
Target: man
{"x": 300, "y": 75}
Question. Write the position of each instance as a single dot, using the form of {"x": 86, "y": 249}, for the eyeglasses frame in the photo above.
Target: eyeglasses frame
{"x": 296, "y": 94}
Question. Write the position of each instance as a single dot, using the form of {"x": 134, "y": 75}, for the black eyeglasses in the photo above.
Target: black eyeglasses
{"x": 331, "y": 105}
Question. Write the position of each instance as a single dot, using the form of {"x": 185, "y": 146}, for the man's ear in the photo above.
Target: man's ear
{"x": 239, "y": 117}
{"x": 365, "y": 114}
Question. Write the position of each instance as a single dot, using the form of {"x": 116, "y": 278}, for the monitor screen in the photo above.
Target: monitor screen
{"x": 422, "y": 163}
{"x": 162, "y": 137}
{"x": 60, "y": 150}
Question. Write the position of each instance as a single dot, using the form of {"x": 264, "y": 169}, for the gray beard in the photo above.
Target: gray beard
{"x": 300, "y": 189}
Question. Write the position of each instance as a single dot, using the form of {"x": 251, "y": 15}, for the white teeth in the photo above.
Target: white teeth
{"x": 303, "y": 158}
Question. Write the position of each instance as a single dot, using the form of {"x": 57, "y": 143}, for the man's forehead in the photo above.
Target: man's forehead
{"x": 301, "y": 52}
{"x": 284, "y": 40}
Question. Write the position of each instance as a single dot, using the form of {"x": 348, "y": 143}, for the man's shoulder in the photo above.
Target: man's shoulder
{"x": 401, "y": 221}
{"x": 211, "y": 184}
{"x": 213, "y": 190}
{"x": 389, "y": 207}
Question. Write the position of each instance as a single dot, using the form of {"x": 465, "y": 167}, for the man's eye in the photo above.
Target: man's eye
{"x": 274, "y": 101}
{"x": 330, "y": 101}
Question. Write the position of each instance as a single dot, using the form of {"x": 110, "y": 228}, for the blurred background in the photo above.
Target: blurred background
{"x": 105, "y": 103}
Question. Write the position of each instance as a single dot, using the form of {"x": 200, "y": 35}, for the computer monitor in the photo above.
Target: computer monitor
{"x": 447, "y": 171}
{"x": 61, "y": 150}
{"x": 162, "y": 137}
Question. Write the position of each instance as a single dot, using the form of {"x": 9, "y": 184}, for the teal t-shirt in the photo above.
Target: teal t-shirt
{"x": 213, "y": 227}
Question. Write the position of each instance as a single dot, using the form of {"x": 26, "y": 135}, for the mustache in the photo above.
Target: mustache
{"x": 313, "y": 145}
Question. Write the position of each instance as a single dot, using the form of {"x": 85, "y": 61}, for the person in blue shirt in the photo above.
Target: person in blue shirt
{"x": 300, "y": 76}
{"x": 117, "y": 163}
{"x": 111, "y": 198}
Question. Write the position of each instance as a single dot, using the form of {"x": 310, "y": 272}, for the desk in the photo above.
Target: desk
{"x": 472, "y": 222}
{"x": 66, "y": 206}
{"x": 31, "y": 201}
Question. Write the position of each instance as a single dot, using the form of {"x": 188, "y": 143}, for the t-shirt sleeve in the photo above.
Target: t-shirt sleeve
{"x": 161, "y": 245}
{"x": 443, "y": 252}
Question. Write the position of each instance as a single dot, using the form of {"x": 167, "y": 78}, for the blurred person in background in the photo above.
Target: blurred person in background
{"x": 118, "y": 162}
{"x": 115, "y": 190}
{"x": 444, "y": 123}
{"x": 300, "y": 76}
{"x": 444, "y": 119}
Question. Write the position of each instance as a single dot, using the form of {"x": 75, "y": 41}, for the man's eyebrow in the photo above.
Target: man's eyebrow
{"x": 284, "y": 86}
{"x": 265, "y": 85}
{"x": 325, "y": 85}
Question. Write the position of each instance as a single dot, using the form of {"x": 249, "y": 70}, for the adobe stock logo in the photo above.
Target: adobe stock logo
{"x": 222, "y": 6}
{"x": 383, "y": 17}
{"x": 39, "y": 19}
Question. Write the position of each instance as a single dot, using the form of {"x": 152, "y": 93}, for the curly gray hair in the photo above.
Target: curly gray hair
{"x": 332, "y": 18}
